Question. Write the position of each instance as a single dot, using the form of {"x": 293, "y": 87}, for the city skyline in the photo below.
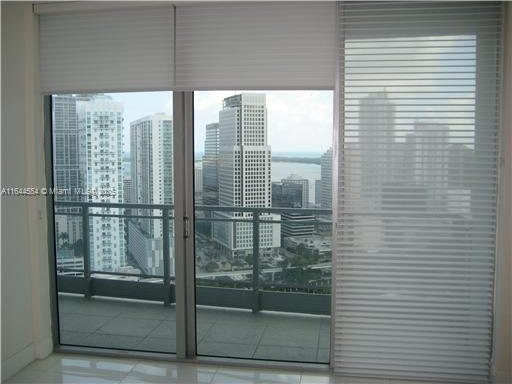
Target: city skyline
{"x": 307, "y": 109}
{"x": 238, "y": 159}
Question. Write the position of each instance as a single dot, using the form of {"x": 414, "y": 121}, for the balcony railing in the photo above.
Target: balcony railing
{"x": 253, "y": 294}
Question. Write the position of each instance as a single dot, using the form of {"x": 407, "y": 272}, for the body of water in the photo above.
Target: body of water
{"x": 280, "y": 170}
{"x": 311, "y": 172}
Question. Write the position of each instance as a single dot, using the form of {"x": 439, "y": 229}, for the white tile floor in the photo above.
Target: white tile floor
{"x": 73, "y": 368}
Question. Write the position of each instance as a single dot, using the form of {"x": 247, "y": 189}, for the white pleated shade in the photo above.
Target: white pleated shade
{"x": 416, "y": 193}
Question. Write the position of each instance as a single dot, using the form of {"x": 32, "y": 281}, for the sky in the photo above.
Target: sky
{"x": 298, "y": 121}
{"x": 140, "y": 104}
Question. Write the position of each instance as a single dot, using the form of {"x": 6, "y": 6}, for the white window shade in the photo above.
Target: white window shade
{"x": 415, "y": 202}
{"x": 112, "y": 50}
{"x": 255, "y": 46}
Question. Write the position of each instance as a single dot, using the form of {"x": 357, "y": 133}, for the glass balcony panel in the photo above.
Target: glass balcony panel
{"x": 69, "y": 247}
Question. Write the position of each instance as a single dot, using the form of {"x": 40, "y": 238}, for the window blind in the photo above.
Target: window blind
{"x": 108, "y": 50}
{"x": 415, "y": 203}
{"x": 280, "y": 45}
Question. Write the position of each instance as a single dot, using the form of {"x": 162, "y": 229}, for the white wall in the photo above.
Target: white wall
{"x": 26, "y": 332}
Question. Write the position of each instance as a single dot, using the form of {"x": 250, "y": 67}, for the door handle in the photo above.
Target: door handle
{"x": 186, "y": 227}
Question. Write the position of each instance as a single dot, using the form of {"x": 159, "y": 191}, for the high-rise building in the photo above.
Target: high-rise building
{"x": 66, "y": 164}
{"x": 296, "y": 179}
{"x": 369, "y": 185}
{"x": 460, "y": 159}
{"x": 431, "y": 164}
{"x": 66, "y": 167}
{"x": 152, "y": 165}
{"x": 244, "y": 172}
{"x": 287, "y": 195}
{"x": 198, "y": 183}
{"x": 152, "y": 183}
{"x": 291, "y": 195}
{"x": 127, "y": 190}
{"x": 377, "y": 138}
{"x": 210, "y": 178}
{"x": 210, "y": 165}
{"x": 326, "y": 179}
{"x": 460, "y": 163}
{"x": 318, "y": 193}
{"x": 100, "y": 123}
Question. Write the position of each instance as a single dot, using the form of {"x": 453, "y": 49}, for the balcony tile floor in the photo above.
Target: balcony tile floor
{"x": 147, "y": 326}
{"x": 76, "y": 368}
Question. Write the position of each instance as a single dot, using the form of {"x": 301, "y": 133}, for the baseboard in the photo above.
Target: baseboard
{"x": 43, "y": 349}
{"x": 17, "y": 361}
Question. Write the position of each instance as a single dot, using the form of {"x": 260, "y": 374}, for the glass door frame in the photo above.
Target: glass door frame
{"x": 185, "y": 268}
{"x": 184, "y": 240}
{"x": 183, "y": 166}
{"x": 183, "y": 122}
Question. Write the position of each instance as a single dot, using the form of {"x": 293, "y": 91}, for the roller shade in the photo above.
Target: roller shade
{"x": 255, "y": 46}
{"x": 416, "y": 196}
{"x": 109, "y": 50}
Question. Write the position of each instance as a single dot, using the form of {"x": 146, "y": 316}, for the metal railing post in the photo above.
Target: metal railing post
{"x": 255, "y": 261}
{"x": 86, "y": 249}
{"x": 166, "y": 256}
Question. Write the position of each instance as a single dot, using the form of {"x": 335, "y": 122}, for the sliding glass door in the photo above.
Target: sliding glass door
{"x": 262, "y": 188}
{"x": 113, "y": 213}
{"x": 251, "y": 278}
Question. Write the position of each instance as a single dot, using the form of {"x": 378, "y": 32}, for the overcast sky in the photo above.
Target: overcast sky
{"x": 298, "y": 121}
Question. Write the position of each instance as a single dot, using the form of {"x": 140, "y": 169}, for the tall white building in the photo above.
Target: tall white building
{"x": 152, "y": 183}
{"x": 244, "y": 172}
{"x": 377, "y": 138}
{"x": 100, "y": 122}
{"x": 326, "y": 179}
{"x": 432, "y": 161}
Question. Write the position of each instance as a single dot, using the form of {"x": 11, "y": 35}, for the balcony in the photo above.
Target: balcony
{"x": 150, "y": 326}
{"x": 248, "y": 311}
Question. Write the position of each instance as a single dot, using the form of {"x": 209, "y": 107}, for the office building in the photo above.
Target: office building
{"x": 288, "y": 194}
{"x": 210, "y": 178}
{"x": 152, "y": 165}
{"x": 146, "y": 251}
{"x": 318, "y": 192}
{"x": 377, "y": 137}
{"x": 151, "y": 141}
{"x": 244, "y": 172}
{"x": 431, "y": 163}
{"x": 127, "y": 189}
{"x": 326, "y": 180}
{"x": 299, "y": 180}
{"x": 66, "y": 165}
{"x": 198, "y": 183}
